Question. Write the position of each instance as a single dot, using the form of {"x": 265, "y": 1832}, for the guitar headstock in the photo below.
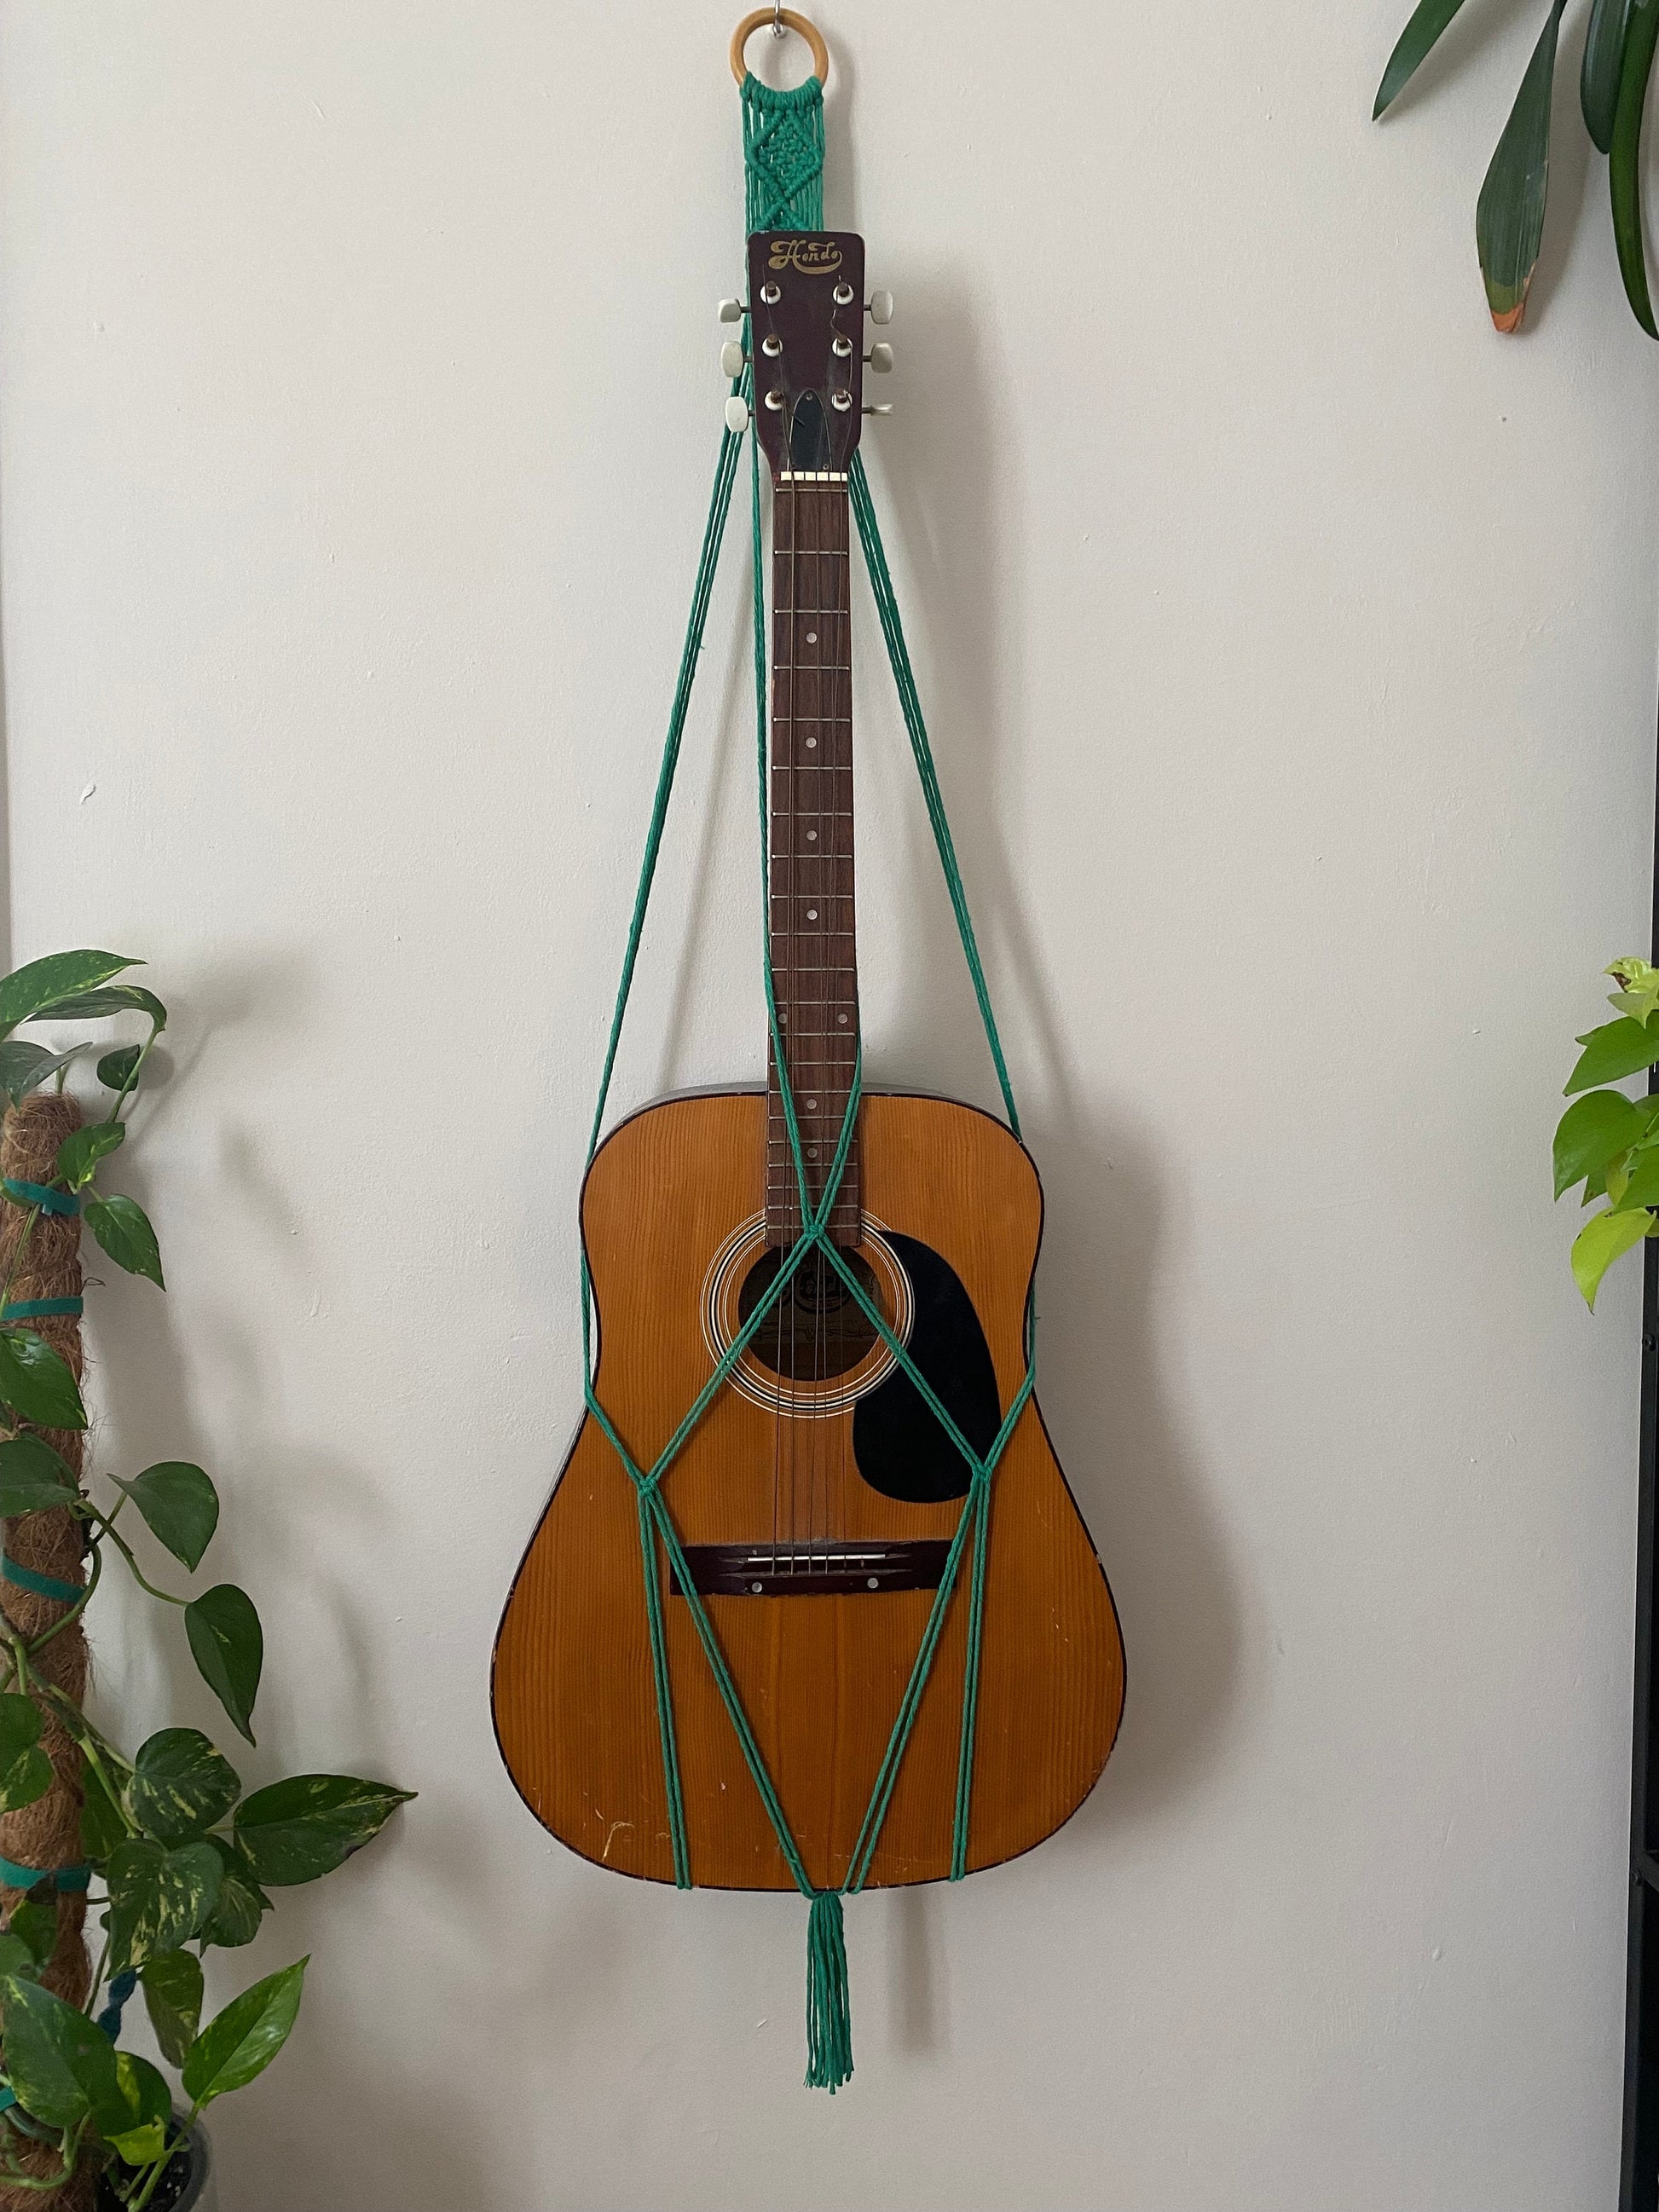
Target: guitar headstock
{"x": 807, "y": 331}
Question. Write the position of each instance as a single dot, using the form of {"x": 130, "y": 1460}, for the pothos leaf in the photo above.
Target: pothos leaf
{"x": 122, "y": 1227}
{"x": 228, "y": 1647}
{"x": 158, "y": 1898}
{"x": 1592, "y": 1128}
{"x": 37, "y": 1382}
{"x": 238, "y": 2046}
{"x": 179, "y": 1502}
{"x": 61, "y": 2065}
{"x": 180, "y": 1785}
{"x": 1600, "y": 1243}
{"x": 172, "y": 1997}
{"x": 26, "y": 993}
{"x": 82, "y": 1150}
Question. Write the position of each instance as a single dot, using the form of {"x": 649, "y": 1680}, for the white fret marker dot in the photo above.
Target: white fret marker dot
{"x": 841, "y": 1018}
{"x": 812, "y": 1152}
{"x": 811, "y": 637}
{"x": 811, "y": 745}
{"x": 812, "y": 836}
{"x": 811, "y": 914}
{"x": 811, "y": 1105}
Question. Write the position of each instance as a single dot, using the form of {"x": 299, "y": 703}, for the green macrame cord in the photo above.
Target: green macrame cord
{"x": 783, "y": 164}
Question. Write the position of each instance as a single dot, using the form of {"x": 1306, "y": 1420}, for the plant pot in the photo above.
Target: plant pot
{"x": 187, "y": 2187}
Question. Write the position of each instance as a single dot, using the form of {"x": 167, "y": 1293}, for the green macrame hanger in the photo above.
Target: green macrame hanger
{"x": 783, "y": 171}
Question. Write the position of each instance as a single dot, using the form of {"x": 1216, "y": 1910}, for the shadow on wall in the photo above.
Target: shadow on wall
{"x": 293, "y": 1513}
{"x": 1099, "y": 1361}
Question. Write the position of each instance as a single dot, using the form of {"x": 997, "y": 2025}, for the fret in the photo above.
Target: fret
{"x": 810, "y": 893}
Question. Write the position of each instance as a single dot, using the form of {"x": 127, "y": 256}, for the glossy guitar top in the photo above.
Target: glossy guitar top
{"x": 816, "y": 1500}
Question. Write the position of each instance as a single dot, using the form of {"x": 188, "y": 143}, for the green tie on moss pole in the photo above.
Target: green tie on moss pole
{"x": 1618, "y": 65}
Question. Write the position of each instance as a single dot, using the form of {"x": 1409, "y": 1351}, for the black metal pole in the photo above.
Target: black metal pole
{"x": 1638, "y": 2176}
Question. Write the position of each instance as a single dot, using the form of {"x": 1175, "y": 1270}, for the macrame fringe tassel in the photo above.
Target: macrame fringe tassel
{"x": 828, "y": 2014}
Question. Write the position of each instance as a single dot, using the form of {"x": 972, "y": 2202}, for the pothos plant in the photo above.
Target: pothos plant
{"x": 1606, "y": 1140}
{"x": 1619, "y": 41}
{"x": 178, "y": 1860}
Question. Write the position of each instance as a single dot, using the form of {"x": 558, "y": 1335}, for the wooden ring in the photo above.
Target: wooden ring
{"x": 798, "y": 24}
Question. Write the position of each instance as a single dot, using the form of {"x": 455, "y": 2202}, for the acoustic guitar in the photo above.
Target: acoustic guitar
{"x": 816, "y": 1500}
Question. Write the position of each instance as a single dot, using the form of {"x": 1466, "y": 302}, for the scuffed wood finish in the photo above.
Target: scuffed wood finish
{"x": 820, "y": 1677}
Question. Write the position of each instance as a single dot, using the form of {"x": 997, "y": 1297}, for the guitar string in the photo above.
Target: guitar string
{"x": 771, "y": 925}
{"x": 826, "y": 904}
{"x": 789, "y": 1050}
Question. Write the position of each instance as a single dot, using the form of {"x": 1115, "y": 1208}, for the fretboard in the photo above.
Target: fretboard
{"x": 813, "y": 950}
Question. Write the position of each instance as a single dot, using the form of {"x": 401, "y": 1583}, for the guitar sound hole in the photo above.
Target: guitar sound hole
{"x": 816, "y": 1329}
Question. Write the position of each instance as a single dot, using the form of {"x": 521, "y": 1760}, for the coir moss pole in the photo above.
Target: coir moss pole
{"x": 46, "y": 1834}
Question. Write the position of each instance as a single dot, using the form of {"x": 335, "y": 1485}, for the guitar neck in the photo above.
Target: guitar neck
{"x": 814, "y": 962}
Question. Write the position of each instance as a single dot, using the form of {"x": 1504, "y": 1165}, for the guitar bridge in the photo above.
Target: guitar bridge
{"x": 811, "y": 1570}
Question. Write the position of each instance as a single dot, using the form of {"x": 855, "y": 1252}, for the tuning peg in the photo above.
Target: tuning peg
{"x": 733, "y": 358}
{"x": 737, "y": 415}
{"x": 732, "y": 310}
{"x": 880, "y": 358}
{"x": 885, "y": 408}
{"x": 881, "y": 307}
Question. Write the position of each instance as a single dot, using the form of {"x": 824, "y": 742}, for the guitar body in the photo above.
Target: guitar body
{"x": 814, "y": 1500}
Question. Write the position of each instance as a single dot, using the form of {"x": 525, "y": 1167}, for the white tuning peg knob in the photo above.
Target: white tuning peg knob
{"x": 885, "y": 408}
{"x": 731, "y": 310}
{"x": 881, "y": 307}
{"x": 880, "y": 358}
{"x": 733, "y": 357}
{"x": 737, "y": 415}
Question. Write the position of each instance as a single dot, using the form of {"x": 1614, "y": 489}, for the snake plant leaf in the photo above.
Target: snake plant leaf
{"x": 1509, "y": 215}
{"x": 27, "y": 992}
{"x": 1600, "y": 1243}
{"x": 1625, "y": 158}
{"x": 1617, "y": 1049}
{"x": 1598, "y": 76}
{"x": 239, "y": 2045}
{"x": 1416, "y": 43}
{"x": 1592, "y": 1128}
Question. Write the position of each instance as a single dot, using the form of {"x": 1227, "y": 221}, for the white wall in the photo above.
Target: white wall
{"x": 1289, "y": 643}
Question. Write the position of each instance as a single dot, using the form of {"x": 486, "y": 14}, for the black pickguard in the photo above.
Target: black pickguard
{"x": 897, "y": 1442}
